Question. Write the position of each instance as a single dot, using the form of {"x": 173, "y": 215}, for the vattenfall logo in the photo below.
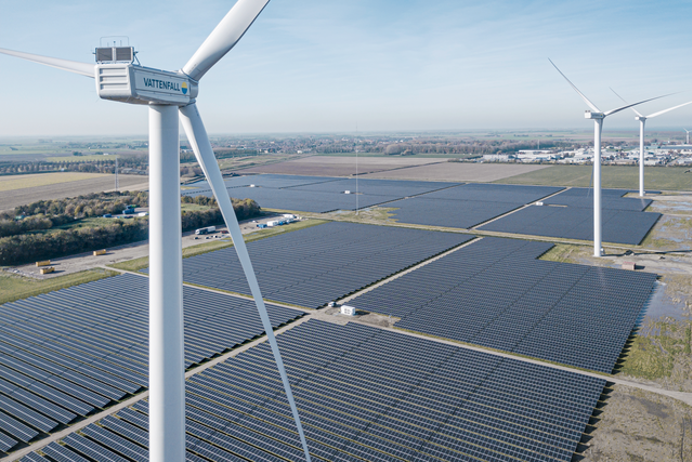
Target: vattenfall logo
{"x": 165, "y": 85}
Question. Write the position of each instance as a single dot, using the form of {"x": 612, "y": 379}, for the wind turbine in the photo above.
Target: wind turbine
{"x": 597, "y": 116}
{"x": 688, "y": 135}
{"x": 170, "y": 96}
{"x": 642, "y": 121}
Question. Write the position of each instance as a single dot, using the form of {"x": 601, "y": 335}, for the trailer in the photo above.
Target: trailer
{"x": 207, "y": 230}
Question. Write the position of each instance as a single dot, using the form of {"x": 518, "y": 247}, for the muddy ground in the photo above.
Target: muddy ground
{"x": 635, "y": 425}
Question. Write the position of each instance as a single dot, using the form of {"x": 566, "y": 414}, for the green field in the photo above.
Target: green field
{"x": 655, "y": 178}
{"x": 13, "y": 287}
{"x": 90, "y": 158}
{"x": 12, "y": 182}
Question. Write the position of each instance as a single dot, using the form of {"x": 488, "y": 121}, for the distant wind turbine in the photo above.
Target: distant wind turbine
{"x": 597, "y": 116}
{"x": 642, "y": 120}
{"x": 688, "y": 136}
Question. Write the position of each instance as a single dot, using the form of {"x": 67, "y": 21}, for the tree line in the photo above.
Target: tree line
{"x": 42, "y": 242}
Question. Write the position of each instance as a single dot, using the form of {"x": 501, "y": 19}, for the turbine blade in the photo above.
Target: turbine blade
{"x": 656, "y": 114}
{"x": 622, "y": 108}
{"x": 586, "y": 100}
{"x": 224, "y": 37}
{"x": 623, "y": 100}
{"x": 71, "y": 66}
{"x": 197, "y": 136}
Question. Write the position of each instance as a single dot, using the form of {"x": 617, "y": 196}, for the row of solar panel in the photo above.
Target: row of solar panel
{"x": 69, "y": 353}
{"x": 473, "y": 203}
{"x": 424, "y": 401}
{"x": 314, "y": 265}
{"x": 495, "y": 293}
{"x": 318, "y": 194}
{"x": 610, "y": 199}
{"x": 618, "y": 226}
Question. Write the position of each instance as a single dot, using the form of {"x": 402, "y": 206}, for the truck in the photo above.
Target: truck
{"x": 208, "y": 229}
{"x": 129, "y": 210}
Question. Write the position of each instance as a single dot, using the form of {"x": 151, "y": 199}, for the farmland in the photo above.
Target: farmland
{"x": 656, "y": 178}
{"x": 13, "y": 182}
{"x": 79, "y": 184}
{"x": 458, "y": 171}
{"x": 341, "y": 165}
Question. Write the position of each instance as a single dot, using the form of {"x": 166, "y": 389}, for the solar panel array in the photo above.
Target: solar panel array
{"x": 315, "y": 265}
{"x": 296, "y": 200}
{"x": 495, "y": 293}
{"x": 451, "y": 214}
{"x": 72, "y": 352}
{"x": 495, "y": 193}
{"x": 467, "y": 205}
{"x": 364, "y": 394}
{"x": 610, "y": 199}
{"x": 618, "y": 226}
{"x": 268, "y": 181}
{"x": 317, "y": 194}
{"x": 388, "y": 188}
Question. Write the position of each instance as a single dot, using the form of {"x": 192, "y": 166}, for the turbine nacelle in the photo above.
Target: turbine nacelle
{"x": 594, "y": 115}
{"x": 134, "y": 84}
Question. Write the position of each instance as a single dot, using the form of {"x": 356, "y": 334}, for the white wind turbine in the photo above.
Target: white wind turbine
{"x": 642, "y": 121}
{"x": 597, "y": 115}
{"x": 168, "y": 94}
{"x": 687, "y": 140}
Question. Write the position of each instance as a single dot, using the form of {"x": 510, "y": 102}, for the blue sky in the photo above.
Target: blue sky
{"x": 380, "y": 65}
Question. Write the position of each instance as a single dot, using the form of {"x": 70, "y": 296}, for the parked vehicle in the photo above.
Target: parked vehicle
{"x": 207, "y": 230}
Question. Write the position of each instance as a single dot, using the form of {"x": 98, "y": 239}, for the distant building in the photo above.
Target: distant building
{"x": 498, "y": 157}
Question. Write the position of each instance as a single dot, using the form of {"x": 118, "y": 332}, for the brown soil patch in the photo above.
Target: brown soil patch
{"x": 341, "y": 166}
{"x": 458, "y": 171}
{"x": 639, "y": 426}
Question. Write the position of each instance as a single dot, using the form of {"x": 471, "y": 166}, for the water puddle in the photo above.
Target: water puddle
{"x": 662, "y": 305}
{"x": 672, "y": 206}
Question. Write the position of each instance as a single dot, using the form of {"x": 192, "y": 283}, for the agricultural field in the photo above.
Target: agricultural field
{"x": 246, "y": 164}
{"x": 458, "y": 171}
{"x": 656, "y": 178}
{"x": 12, "y": 182}
{"x": 18, "y": 192}
{"x": 15, "y": 287}
{"x": 71, "y": 159}
{"x": 323, "y": 165}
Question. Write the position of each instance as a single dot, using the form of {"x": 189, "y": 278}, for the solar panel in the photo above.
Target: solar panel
{"x": 67, "y": 353}
{"x": 370, "y": 394}
{"x": 495, "y": 293}
{"x": 467, "y": 205}
{"x": 618, "y": 226}
{"x": 291, "y": 199}
{"x": 312, "y": 266}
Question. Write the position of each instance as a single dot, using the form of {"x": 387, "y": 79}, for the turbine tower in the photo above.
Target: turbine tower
{"x": 597, "y": 116}
{"x": 687, "y": 140}
{"x": 642, "y": 121}
{"x": 171, "y": 96}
